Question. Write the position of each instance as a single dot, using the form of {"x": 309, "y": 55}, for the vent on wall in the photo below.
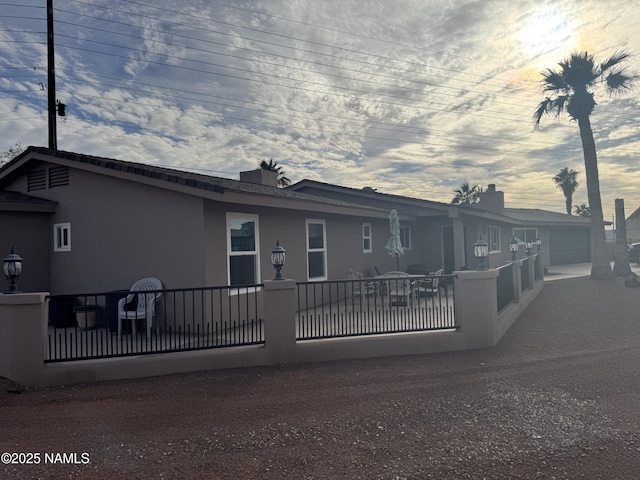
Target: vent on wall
{"x": 51, "y": 177}
{"x": 58, "y": 176}
{"x": 37, "y": 179}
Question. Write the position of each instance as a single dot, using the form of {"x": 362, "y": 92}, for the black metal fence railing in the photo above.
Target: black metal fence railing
{"x": 115, "y": 324}
{"x": 524, "y": 275}
{"x": 369, "y": 306}
{"x": 538, "y": 268}
{"x": 505, "y": 290}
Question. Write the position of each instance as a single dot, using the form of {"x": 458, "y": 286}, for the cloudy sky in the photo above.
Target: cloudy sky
{"x": 412, "y": 97}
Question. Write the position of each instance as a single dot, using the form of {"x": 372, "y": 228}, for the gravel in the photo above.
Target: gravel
{"x": 557, "y": 398}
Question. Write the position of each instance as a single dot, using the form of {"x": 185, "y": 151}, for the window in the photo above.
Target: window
{"x": 494, "y": 239}
{"x": 523, "y": 235}
{"x": 242, "y": 246}
{"x": 405, "y": 237}
{"x": 316, "y": 250}
{"x": 62, "y": 237}
{"x": 366, "y": 238}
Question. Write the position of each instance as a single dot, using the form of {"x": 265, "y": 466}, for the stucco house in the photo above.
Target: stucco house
{"x": 446, "y": 234}
{"x": 91, "y": 224}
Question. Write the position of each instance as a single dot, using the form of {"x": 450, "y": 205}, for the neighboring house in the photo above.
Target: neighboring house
{"x": 633, "y": 227}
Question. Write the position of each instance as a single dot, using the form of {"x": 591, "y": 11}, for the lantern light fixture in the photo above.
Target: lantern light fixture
{"x": 12, "y": 269}
{"x": 277, "y": 259}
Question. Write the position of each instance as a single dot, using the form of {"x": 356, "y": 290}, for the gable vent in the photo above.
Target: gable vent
{"x": 58, "y": 176}
{"x": 37, "y": 180}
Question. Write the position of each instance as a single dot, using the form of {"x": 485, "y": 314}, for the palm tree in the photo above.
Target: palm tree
{"x": 566, "y": 180}
{"x": 571, "y": 88}
{"x": 582, "y": 211}
{"x": 466, "y": 194}
{"x": 283, "y": 181}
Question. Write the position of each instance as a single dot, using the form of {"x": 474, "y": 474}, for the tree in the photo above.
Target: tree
{"x": 283, "y": 181}
{"x": 466, "y": 194}
{"x": 582, "y": 210}
{"x": 566, "y": 180}
{"x": 571, "y": 90}
{"x": 10, "y": 154}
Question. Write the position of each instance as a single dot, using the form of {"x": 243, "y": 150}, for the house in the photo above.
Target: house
{"x": 633, "y": 226}
{"x": 91, "y": 224}
{"x": 445, "y": 234}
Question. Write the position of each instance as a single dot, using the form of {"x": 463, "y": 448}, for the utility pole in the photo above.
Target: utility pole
{"x": 51, "y": 75}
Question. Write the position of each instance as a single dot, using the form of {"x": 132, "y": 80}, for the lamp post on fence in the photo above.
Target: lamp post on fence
{"x": 513, "y": 248}
{"x": 12, "y": 269}
{"x": 529, "y": 247}
{"x": 278, "y": 259}
{"x": 538, "y": 243}
{"x": 481, "y": 251}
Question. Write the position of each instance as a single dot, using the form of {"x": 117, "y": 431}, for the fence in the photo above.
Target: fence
{"x": 102, "y": 325}
{"x": 524, "y": 275}
{"x": 505, "y": 286}
{"x": 343, "y": 308}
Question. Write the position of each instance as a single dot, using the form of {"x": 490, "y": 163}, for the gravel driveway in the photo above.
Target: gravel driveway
{"x": 558, "y": 398}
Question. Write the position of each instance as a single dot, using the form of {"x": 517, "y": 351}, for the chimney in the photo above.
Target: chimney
{"x": 492, "y": 200}
{"x": 260, "y": 176}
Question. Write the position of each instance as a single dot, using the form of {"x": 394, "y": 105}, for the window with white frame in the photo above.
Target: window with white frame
{"x": 367, "y": 246}
{"x": 405, "y": 237}
{"x": 243, "y": 249}
{"x": 316, "y": 250}
{"x": 523, "y": 235}
{"x": 494, "y": 239}
{"x": 62, "y": 237}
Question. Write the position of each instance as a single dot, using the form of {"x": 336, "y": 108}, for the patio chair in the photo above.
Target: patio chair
{"x": 142, "y": 305}
{"x": 426, "y": 287}
{"x": 358, "y": 287}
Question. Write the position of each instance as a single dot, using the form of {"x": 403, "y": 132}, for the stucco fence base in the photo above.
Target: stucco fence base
{"x": 23, "y": 327}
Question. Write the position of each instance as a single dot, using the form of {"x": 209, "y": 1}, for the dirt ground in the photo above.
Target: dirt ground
{"x": 558, "y": 398}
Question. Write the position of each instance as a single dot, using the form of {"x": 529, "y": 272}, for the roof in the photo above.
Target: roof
{"x": 634, "y": 215}
{"x": 532, "y": 216}
{"x": 19, "y": 201}
{"x": 200, "y": 183}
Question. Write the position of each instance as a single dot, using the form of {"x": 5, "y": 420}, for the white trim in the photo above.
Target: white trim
{"x": 497, "y": 229}
{"x": 62, "y": 237}
{"x": 308, "y": 222}
{"x": 366, "y": 237}
{"x": 405, "y": 228}
{"x": 256, "y": 252}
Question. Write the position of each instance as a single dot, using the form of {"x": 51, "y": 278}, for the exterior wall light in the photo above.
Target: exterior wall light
{"x": 12, "y": 269}
{"x": 481, "y": 251}
{"x": 278, "y": 259}
{"x": 513, "y": 248}
{"x": 529, "y": 247}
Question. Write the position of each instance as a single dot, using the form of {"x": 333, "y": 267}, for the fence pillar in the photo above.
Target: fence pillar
{"x": 23, "y": 327}
{"x": 279, "y": 319}
{"x": 476, "y": 306}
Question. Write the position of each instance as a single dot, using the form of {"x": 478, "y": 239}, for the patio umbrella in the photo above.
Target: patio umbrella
{"x": 394, "y": 245}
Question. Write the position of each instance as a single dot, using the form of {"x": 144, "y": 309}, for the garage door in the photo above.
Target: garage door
{"x": 570, "y": 245}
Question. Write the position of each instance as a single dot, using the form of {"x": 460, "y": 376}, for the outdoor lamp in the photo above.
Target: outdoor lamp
{"x": 529, "y": 246}
{"x": 481, "y": 251}
{"x": 12, "y": 269}
{"x": 538, "y": 243}
{"x": 277, "y": 259}
{"x": 513, "y": 248}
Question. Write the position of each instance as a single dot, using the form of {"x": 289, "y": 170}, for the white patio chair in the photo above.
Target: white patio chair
{"x": 426, "y": 287}
{"x": 141, "y": 305}
{"x": 360, "y": 288}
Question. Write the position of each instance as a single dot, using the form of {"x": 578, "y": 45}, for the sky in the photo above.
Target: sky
{"x": 410, "y": 97}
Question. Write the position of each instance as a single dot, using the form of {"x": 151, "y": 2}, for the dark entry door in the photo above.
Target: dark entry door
{"x": 448, "y": 255}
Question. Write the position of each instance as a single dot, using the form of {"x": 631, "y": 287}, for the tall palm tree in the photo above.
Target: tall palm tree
{"x": 283, "y": 181}
{"x": 466, "y": 194}
{"x": 571, "y": 88}
{"x": 567, "y": 181}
